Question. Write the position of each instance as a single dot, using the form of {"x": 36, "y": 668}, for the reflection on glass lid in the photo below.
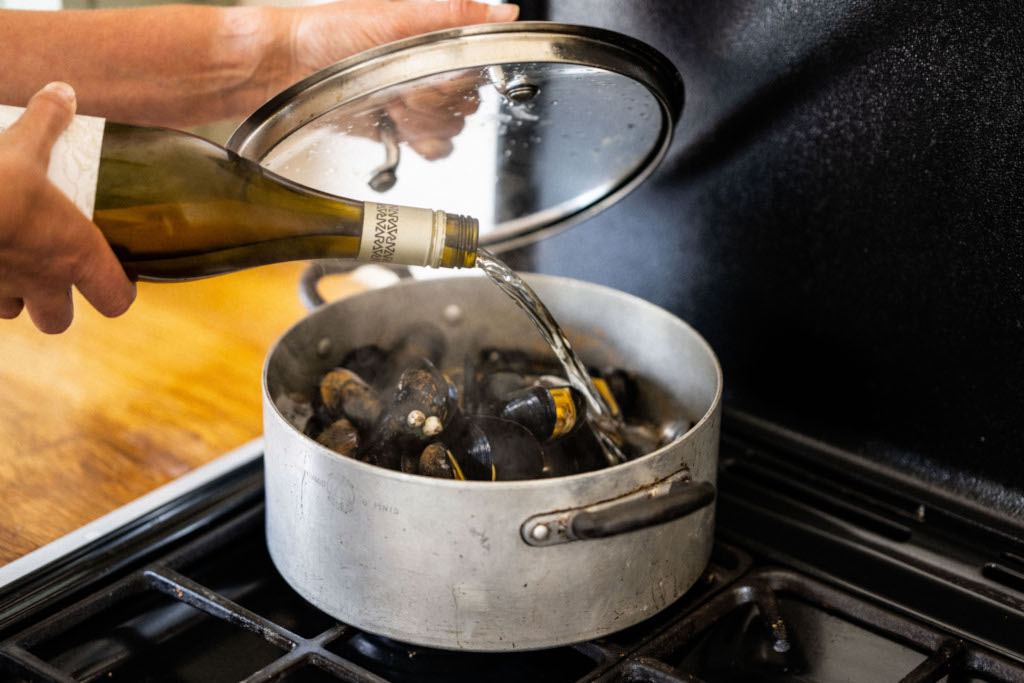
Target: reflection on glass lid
{"x": 477, "y": 144}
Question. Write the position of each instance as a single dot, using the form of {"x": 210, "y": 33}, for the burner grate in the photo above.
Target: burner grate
{"x": 777, "y": 625}
{"x": 217, "y": 610}
{"x": 210, "y": 606}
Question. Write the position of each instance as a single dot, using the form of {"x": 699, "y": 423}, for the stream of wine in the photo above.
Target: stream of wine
{"x": 600, "y": 416}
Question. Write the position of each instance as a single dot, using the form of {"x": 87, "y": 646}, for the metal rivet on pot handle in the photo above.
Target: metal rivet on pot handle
{"x": 670, "y": 499}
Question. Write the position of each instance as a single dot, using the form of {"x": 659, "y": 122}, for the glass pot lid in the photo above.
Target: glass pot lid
{"x": 528, "y": 126}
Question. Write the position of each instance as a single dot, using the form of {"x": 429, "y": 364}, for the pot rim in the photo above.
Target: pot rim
{"x": 628, "y": 299}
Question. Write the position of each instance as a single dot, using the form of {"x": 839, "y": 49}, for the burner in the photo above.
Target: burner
{"x": 401, "y": 662}
{"x": 742, "y": 647}
{"x": 775, "y": 625}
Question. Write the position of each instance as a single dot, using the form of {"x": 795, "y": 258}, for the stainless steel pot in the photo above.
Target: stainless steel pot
{"x": 492, "y": 566}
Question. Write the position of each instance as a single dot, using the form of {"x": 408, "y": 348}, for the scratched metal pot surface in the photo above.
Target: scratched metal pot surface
{"x": 459, "y": 564}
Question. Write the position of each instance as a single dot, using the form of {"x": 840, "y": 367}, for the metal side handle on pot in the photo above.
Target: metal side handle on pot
{"x": 670, "y": 499}
{"x": 309, "y": 292}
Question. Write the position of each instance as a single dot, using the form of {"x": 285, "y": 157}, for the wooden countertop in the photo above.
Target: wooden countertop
{"x": 111, "y": 409}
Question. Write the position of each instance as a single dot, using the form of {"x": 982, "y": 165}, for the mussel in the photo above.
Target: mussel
{"x": 493, "y": 389}
{"x": 617, "y": 387}
{"x": 548, "y": 414}
{"x": 425, "y": 390}
{"x": 369, "y": 362}
{"x": 490, "y": 448}
{"x": 345, "y": 394}
{"x": 580, "y": 452}
{"x": 422, "y": 405}
{"x": 340, "y": 436}
{"x": 437, "y": 461}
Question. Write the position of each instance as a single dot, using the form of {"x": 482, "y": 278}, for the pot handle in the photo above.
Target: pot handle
{"x": 310, "y": 295}
{"x": 670, "y": 499}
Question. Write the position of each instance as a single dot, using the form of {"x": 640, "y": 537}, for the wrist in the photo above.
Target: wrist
{"x": 254, "y": 51}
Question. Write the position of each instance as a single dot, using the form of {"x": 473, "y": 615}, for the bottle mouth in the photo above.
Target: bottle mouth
{"x": 460, "y": 241}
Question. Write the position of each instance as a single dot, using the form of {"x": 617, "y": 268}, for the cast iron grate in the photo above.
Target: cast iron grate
{"x": 777, "y": 625}
{"x": 211, "y": 607}
{"x": 217, "y": 610}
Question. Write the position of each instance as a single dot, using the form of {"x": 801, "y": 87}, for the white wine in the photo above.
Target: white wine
{"x": 177, "y": 207}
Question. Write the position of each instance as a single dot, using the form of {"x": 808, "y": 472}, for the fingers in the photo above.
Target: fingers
{"x": 48, "y": 113}
{"x": 90, "y": 263}
{"x": 468, "y": 12}
{"x": 101, "y": 278}
{"x": 51, "y": 310}
{"x": 11, "y": 307}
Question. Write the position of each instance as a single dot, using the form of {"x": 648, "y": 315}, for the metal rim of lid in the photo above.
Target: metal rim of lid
{"x": 467, "y": 47}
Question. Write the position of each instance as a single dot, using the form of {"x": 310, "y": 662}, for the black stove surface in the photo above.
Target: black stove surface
{"x": 192, "y": 595}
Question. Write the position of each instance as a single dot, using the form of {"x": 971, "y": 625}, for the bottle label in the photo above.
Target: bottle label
{"x": 397, "y": 234}
{"x": 75, "y": 158}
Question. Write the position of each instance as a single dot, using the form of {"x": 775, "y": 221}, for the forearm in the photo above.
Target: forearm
{"x": 170, "y": 65}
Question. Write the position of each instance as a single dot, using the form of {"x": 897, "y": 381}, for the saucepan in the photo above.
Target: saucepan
{"x": 507, "y": 565}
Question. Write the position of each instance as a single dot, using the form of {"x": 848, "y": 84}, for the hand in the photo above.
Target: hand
{"x": 426, "y": 115}
{"x": 322, "y": 35}
{"x": 47, "y": 244}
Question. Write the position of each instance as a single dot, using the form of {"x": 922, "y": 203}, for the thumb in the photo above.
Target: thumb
{"x": 47, "y": 115}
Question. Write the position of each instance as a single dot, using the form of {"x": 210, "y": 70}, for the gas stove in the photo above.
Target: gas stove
{"x": 820, "y": 572}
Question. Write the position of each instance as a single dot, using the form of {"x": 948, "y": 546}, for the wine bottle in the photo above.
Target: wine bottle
{"x": 177, "y": 207}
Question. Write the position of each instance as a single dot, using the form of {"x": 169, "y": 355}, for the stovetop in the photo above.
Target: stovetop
{"x": 817, "y": 575}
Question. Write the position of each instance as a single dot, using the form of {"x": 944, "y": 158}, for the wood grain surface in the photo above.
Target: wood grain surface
{"x": 113, "y": 408}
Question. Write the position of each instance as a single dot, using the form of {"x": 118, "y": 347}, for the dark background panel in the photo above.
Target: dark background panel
{"x": 840, "y": 214}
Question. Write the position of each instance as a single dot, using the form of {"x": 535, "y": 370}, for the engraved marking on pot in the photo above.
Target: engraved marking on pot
{"x": 302, "y": 493}
{"x": 485, "y": 542}
{"x": 340, "y": 493}
{"x": 385, "y": 233}
{"x": 379, "y": 506}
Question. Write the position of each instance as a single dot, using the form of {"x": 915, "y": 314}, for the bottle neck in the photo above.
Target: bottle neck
{"x": 418, "y": 237}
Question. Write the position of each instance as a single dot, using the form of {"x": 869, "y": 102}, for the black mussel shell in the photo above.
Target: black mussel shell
{"x": 367, "y": 361}
{"x": 463, "y": 379}
{"x": 495, "y": 387}
{"x": 410, "y": 462}
{"x": 549, "y": 414}
{"x": 424, "y": 388}
{"x": 559, "y": 459}
{"x": 341, "y": 436}
{"x": 580, "y": 452}
{"x": 345, "y": 394}
{"x": 470, "y": 448}
{"x": 621, "y": 385}
{"x": 470, "y": 391}
{"x": 491, "y": 448}
{"x": 422, "y": 406}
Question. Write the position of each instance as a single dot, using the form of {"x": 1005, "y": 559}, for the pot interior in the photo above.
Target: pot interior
{"x": 677, "y": 371}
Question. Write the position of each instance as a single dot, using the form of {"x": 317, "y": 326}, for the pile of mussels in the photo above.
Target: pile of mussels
{"x": 502, "y": 415}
